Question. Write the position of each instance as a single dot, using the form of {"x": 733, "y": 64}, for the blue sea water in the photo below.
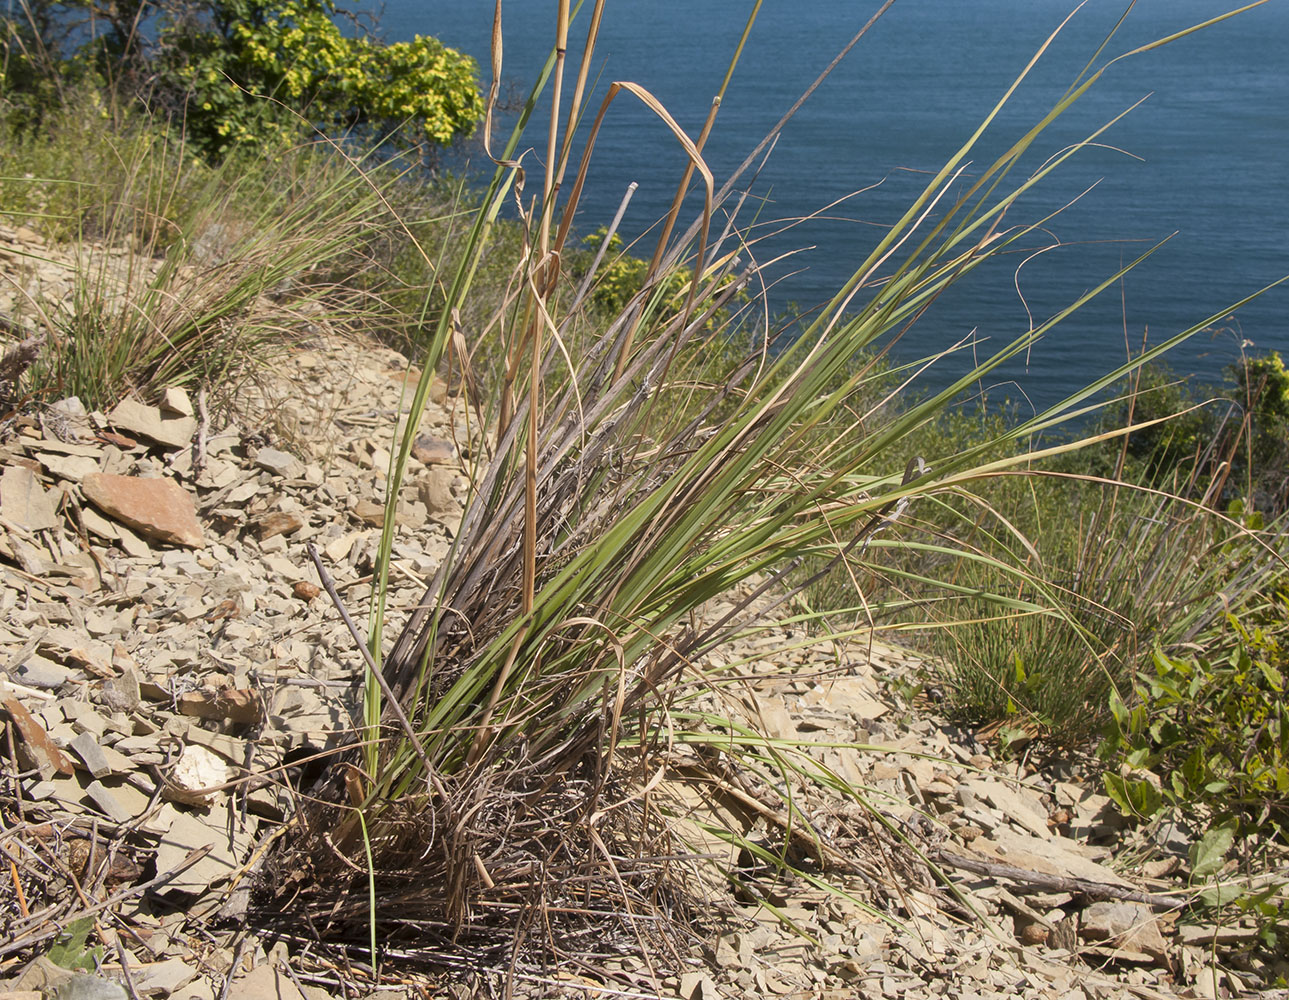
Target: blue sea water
{"x": 1205, "y": 156}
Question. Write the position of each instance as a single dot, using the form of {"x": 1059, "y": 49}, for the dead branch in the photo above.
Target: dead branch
{"x": 1032, "y": 881}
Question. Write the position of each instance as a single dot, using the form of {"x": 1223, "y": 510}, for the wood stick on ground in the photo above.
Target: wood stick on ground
{"x": 1040, "y": 882}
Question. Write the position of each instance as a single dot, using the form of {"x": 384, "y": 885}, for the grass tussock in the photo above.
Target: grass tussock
{"x": 165, "y": 269}
{"x": 519, "y": 729}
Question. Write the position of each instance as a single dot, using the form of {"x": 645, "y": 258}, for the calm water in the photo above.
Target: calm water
{"x": 1206, "y": 156}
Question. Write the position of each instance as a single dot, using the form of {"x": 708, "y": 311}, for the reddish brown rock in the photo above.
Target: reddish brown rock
{"x": 157, "y": 508}
{"x": 232, "y": 704}
{"x": 120, "y": 440}
{"x": 278, "y": 523}
{"x": 35, "y": 749}
{"x": 370, "y": 512}
{"x": 305, "y": 590}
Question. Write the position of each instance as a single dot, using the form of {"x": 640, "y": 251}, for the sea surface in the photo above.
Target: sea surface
{"x": 1204, "y": 158}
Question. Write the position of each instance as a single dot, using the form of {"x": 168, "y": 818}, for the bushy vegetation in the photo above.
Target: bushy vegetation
{"x": 249, "y": 74}
{"x": 1212, "y": 729}
{"x": 1143, "y": 542}
{"x": 189, "y": 274}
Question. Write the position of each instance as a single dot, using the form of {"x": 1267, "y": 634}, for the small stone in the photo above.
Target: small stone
{"x": 435, "y": 491}
{"x": 1208, "y": 983}
{"x": 90, "y": 655}
{"x": 87, "y": 749}
{"x": 157, "y": 508}
{"x": 134, "y": 546}
{"x": 1020, "y": 806}
{"x": 164, "y": 977}
{"x": 121, "y": 694}
{"x": 24, "y": 501}
{"x": 73, "y": 468}
{"x": 1208, "y": 935}
{"x": 305, "y": 590}
{"x": 1032, "y": 932}
{"x": 264, "y": 982}
{"x": 1130, "y": 926}
{"x": 122, "y": 441}
{"x": 279, "y": 463}
{"x": 698, "y": 986}
{"x": 197, "y": 770}
{"x": 113, "y": 806}
{"x": 97, "y": 524}
{"x": 273, "y": 544}
{"x": 433, "y": 451}
{"x": 338, "y": 548}
{"x": 370, "y": 512}
{"x": 134, "y": 417}
{"x": 241, "y": 706}
{"x": 188, "y": 833}
{"x": 278, "y": 523}
{"x": 175, "y": 400}
{"x": 83, "y": 718}
{"x": 90, "y": 988}
{"x": 42, "y": 674}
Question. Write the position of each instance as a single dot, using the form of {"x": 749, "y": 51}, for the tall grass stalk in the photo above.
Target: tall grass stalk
{"x": 547, "y": 668}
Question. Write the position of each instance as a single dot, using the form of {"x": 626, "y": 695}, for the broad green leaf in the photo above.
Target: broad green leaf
{"x": 69, "y": 951}
{"x": 1135, "y": 797}
{"x": 1208, "y": 854}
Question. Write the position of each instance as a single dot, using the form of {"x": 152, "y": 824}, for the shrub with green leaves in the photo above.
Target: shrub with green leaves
{"x": 242, "y": 73}
{"x": 621, "y": 276}
{"x": 1215, "y": 726}
{"x": 254, "y": 66}
{"x": 1206, "y": 737}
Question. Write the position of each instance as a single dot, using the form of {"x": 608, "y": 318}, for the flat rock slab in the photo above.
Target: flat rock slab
{"x": 157, "y": 508}
{"x": 264, "y": 982}
{"x": 1057, "y": 856}
{"x": 90, "y": 988}
{"x": 134, "y": 417}
{"x": 24, "y": 501}
{"x": 1026, "y": 811}
{"x": 163, "y": 977}
{"x": 188, "y": 833}
{"x": 280, "y": 463}
{"x": 1126, "y": 925}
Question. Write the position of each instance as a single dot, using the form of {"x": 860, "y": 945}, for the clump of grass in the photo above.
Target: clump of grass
{"x": 1131, "y": 570}
{"x": 181, "y": 273}
{"x": 518, "y": 729}
{"x": 1148, "y": 541}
